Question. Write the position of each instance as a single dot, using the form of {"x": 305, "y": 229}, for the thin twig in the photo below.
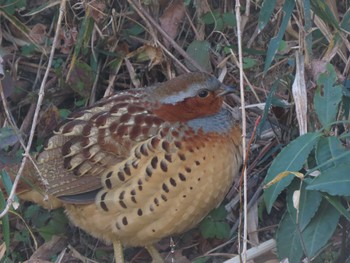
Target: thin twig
{"x": 37, "y": 110}
{"x": 244, "y": 131}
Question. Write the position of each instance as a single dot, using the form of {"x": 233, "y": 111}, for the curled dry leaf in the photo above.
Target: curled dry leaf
{"x": 38, "y": 33}
{"x": 68, "y": 37}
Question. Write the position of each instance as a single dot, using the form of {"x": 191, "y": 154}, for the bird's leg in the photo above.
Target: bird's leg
{"x": 118, "y": 252}
{"x": 156, "y": 258}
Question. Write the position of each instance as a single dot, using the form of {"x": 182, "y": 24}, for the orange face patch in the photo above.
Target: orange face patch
{"x": 190, "y": 108}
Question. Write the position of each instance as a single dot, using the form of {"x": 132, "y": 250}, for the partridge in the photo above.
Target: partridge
{"x": 145, "y": 163}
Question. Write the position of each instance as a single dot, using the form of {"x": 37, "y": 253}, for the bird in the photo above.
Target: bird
{"x": 144, "y": 163}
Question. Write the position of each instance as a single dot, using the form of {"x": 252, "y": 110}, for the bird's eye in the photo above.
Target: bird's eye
{"x": 203, "y": 93}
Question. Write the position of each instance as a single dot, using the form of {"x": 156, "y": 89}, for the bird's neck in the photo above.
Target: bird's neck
{"x": 221, "y": 122}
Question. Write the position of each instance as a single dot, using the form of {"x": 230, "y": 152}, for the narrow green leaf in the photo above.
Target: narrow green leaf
{"x": 325, "y": 13}
{"x": 335, "y": 181}
{"x": 326, "y": 106}
{"x": 7, "y": 183}
{"x": 5, "y": 223}
{"x": 345, "y": 23}
{"x": 308, "y": 27}
{"x": 275, "y": 42}
{"x": 288, "y": 240}
{"x": 291, "y": 158}
{"x": 321, "y": 228}
{"x": 265, "y": 13}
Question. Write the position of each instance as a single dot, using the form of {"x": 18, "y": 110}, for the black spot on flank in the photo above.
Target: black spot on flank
{"x": 204, "y": 158}
{"x": 133, "y": 199}
{"x": 197, "y": 163}
{"x": 156, "y": 201}
{"x": 121, "y": 176}
{"x": 198, "y": 179}
{"x": 154, "y": 162}
{"x": 163, "y": 166}
{"x": 125, "y": 221}
{"x": 149, "y": 171}
{"x": 177, "y": 144}
{"x": 164, "y": 197}
{"x": 137, "y": 154}
{"x": 188, "y": 169}
{"x": 166, "y": 146}
{"x": 184, "y": 196}
{"x": 139, "y": 212}
{"x": 153, "y": 230}
{"x": 182, "y": 177}
{"x": 191, "y": 188}
{"x": 165, "y": 188}
{"x": 122, "y": 204}
{"x": 143, "y": 150}
{"x": 121, "y": 196}
{"x": 154, "y": 142}
{"x": 181, "y": 156}
{"x": 135, "y": 165}
{"x": 168, "y": 157}
{"x": 190, "y": 149}
{"x": 108, "y": 184}
{"x": 140, "y": 187}
{"x": 127, "y": 170}
{"x": 109, "y": 174}
{"x": 139, "y": 182}
{"x": 104, "y": 206}
{"x": 103, "y": 196}
{"x": 102, "y": 203}
{"x": 172, "y": 182}
{"x": 133, "y": 192}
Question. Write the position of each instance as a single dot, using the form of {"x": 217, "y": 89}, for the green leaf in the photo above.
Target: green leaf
{"x": 321, "y": 228}
{"x": 335, "y": 181}
{"x": 345, "y": 23}
{"x": 8, "y": 137}
{"x": 330, "y": 152}
{"x": 229, "y": 19}
{"x": 337, "y": 203}
{"x": 309, "y": 203}
{"x": 57, "y": 225}
{"x": 288, "y": 240}
{"x": 5, "y": 223}
{"x": 249, "y": 63}
{"x": 315, "y": 235}
{"x": 7, "y": 183}
{"x": 199, "y": 51}
{"x": 275, "y": 42}
{"x": 291, "y": 158}
{"x": 214, "y": 225}
{"x": 325, "y": 13}
{"x": 81, "y": 79}
{"x": 326, "y": 106}
{"x": 265, "y": 13}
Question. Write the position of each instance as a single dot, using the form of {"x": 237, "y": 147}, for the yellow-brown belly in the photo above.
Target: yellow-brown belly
{"x": 168, "y": 203}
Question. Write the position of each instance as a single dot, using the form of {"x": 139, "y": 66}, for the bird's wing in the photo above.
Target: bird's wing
{"x": 92, "y": 140}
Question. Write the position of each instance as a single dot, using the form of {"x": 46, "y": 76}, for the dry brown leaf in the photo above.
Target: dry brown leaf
{"x": 96, "y": 10}
{"x": 171, "y": 19}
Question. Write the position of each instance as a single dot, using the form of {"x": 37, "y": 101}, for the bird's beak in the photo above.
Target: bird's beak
{"x": 226, "y": 90}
